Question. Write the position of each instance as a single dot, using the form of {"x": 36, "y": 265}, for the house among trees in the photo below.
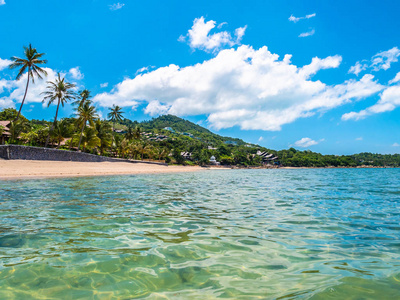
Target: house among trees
{"x": 266, "y": 157}
{"x": 4, "y": 131}
{"x": 186, "y": 155}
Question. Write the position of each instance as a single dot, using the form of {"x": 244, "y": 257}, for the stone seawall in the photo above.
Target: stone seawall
{"x": 37, "y": 153}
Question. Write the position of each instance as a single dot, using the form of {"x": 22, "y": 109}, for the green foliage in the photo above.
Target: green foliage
{"x": 9, "y": 114}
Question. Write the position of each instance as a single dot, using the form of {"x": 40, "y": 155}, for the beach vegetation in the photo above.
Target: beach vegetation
{"x": 30, "y": 64}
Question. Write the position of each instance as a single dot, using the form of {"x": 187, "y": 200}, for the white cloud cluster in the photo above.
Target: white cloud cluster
{"x": 104, "y": 85}
{"x": 242, "y": 87}
{"x": 305, "y": 142}
{"x": 308, "y": 33}
{"x": 116, "y": 6}
{"x": 389, "y": 100}
{"x": 15, "y": 89}
{"x": 380, "y": 61}
{"x": 395, "y": 79}
{"x": 296, "y": 19}
{"x": 76, "y": 73}
{"x": 199, "y": 37}
{"x": 4, "y": 63}
{"x": 2, "y": 2}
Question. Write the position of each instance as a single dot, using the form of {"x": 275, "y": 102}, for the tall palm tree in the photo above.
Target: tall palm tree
{"x": 59, "y": 90}
{"x": 115, "y": 114}
{"x": 31, "y": 61}
{"x": 86, "y": 113}
{"x": 84, "y": 96}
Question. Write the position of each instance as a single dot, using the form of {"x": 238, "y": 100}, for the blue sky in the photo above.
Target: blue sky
{"x": 216, "y": 63}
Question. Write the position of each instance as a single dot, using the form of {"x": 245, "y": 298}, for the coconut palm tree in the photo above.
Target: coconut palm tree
{"x": 84, "y": 96}
{"x": 104, "y": 134}
{"x": 30, "y": 64}
{"x": 90, "y": 139}
{"x": 130, "y": 134}
{"x": 138, "y": 133}
{"x": 61, "y": 131}
{"x": 86, "y": 113}
{"x": 59, "y": 90}
{"x": 115, "y": 114}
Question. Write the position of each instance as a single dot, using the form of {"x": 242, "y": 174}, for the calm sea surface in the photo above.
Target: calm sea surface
{"x": 240, "y": 234}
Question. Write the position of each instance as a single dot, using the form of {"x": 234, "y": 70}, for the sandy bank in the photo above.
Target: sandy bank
{"x": 15, "y": 169}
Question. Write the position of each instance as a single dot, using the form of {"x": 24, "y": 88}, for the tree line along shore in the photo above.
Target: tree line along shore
{"x": 166, "y": 138}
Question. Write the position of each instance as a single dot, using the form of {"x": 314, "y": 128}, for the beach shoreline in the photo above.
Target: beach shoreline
{"x": 30, "y": 169}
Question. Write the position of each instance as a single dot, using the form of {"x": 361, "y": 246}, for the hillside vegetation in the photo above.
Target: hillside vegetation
{"x": 151, "y": 140}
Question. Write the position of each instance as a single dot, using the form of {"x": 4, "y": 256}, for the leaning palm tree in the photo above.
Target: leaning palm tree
{"x": 86, "y": 113}
{"x": 59, "y": 90}
{"x": 115, "y": 114}
{"x": 84, "y": 96}
{"x": 31, "y": 61}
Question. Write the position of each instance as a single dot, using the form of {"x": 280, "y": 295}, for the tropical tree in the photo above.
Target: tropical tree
{"x": 84, "y": 96}
{"x": 90, "y": 139}
{"x": 138, "y": 133}
{"x": 86, "y": 113}
{"x": 59, "y": 90}
{"x": 115, "y": 115}
{"x": 130, "y": 134}
{"x": 61, "y": 131}
{"x": 17, "y": 128}
{"x": 30, "y": 63}
{"x": 103, "y": 129}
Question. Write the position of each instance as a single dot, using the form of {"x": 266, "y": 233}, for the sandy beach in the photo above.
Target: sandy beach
{"x": 15, "y": 169}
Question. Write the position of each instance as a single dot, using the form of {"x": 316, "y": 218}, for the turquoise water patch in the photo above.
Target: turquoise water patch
{"x": 240, "y": 234}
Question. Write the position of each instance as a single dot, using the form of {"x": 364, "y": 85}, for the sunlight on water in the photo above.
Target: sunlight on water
{"x": 242, "y": 234}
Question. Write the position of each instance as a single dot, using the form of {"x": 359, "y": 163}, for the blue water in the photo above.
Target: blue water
{"x": 237, "y": 234}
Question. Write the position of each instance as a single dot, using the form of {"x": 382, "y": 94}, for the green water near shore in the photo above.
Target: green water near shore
{"x": 242, "y": 234}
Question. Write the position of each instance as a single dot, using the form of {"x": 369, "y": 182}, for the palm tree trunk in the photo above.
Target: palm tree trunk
{"x": 59, "y": 143}
{"x": 52, "y": 126}
{"x": 26, "y": 91}
{"x": 80, "y": 138}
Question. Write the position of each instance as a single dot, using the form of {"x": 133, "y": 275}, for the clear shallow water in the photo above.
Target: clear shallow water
{"x": 240, "y": 234}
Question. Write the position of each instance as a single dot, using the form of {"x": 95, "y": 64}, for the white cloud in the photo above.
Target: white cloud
{"x": 305, "y": 142}
{"x": 358, "y": 68}
{"x": 17, "y": 89}
{"x": 389, "y": 100}
{"x": 380, "y": 61}
{"x": 156, "y": 108}
{"x": 199, "y": 37}
{"x": 359, "y": 138}
{"x": 296, "y": 19}
{"x": 4, "y": 63}
{"x": 243, "y": 87}
{"x": 2, "y": 2}
{"x": 104, "y": 85}
{"x": 260, "y": 138}
{"x": 116, "y": 6}
{"x": 308, "y": 33}
{"x": 395, "y": 79}
{"x": 396, "y": 145}
{"x": 76, "y": 73}
{"x": 384, "y": 59}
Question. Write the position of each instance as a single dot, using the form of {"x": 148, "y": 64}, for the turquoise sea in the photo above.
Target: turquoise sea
{"x": 235, "y": 234}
